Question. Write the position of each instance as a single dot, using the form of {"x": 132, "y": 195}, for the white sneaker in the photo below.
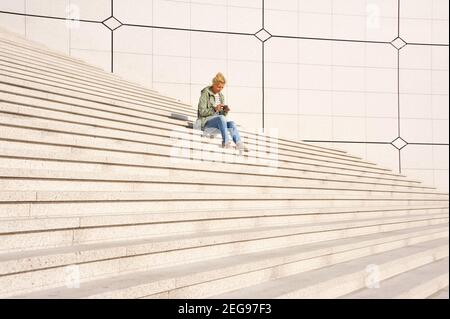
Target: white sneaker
{"x": 227, "y": 146}
{"x": 241, "y": 147}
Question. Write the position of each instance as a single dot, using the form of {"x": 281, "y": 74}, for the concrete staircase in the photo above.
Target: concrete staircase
{"x": 96, "y": 202}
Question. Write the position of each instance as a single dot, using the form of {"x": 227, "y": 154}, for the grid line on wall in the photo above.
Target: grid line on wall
{"x": 112, "y": 39}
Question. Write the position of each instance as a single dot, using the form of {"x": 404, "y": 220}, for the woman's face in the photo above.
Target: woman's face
{"x": 217, "y": 87}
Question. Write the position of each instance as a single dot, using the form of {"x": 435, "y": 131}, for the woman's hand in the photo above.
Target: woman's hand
{"x": 219, "y": 108}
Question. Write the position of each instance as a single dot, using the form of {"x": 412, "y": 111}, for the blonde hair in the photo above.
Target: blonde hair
{"x": 219, "y": 78}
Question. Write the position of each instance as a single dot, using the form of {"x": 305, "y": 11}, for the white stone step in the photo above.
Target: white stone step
{"x": 258, "y": 216}
{"x": 193, "y": 194}
{"x": 419, "y": 283}
{"x": 64, "y": 158}
{"x": 201, "y": 245}
{"x": 198, "y": 246}
{"x": 75, "y": 83}
{"x": 19, "y": 125}
{"x": 17, "y": 38}
{"x": 343, "y": 278}
{"x": 41, "y": 183}
{"x": 166, "y": 144}
{"x": 113, "y": 123}
{"x": 442, "y": 294}
{"x": 57, "y": 95}
{"x": 208, "y": 278}
{"x": 56, "y": 77}
{"x": 15, "y": 204}
{"x": 19, "y": 42}
{"x": 33, "y": 173}
{"x": 23, "y": 155}
{"x": 16, "y": 129}
{"x": 53, "y": 58}
{"x": 83, "y": 235}
{"x": 99, "y": 260}
{"x": 50, "y": 179}
{"x": 43, "y": 54}
{"x": 94, "y": 183}
{"x": 17, "y": 56}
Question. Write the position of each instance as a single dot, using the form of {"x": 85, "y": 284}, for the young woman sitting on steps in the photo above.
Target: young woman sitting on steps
{"x": 212, "y": 113}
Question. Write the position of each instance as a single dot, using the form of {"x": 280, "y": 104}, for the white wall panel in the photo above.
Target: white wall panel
{"x": 440, "y": 106}
{"x": 316, "y": 127}
{"x": 245, "y": 73}
{"x": 54, "y": 33}
{"x": 417, "y": 106}
{"x": 135, "y": 40}
{"x": 135, "y": 67}
{"x": 242, "y": 48}
{"x": 244, "y": 19}
{"x": 171, "y": 43}
{"x": 282, "y": 101}
{"x": 315, "y": 103}
{"x": 203, "y": 45}
{"x": 281, "y": 22}
{"x": 417, "y": 157}
{"x": 203, "y": 70}
{"x": 243, "y": 99}
{"x": 417, "y": 130}
{"x": 440, "y": 131}
{"x": 287, "y": 125}
{"x": 315, "y": 25}
{"x": 171, "y": 69}
{"x": 171, "y": 14}
{"x": 381, "y": 105}
{"x": 90, "y": 36}
{"x": 349, "y": 128}
{"x": 349, "y": 104}
{"x": 53, "y": 8}
{"x": 134, "y": 12}
{"x": 209, "y": 17}
{"x": 12, "y": 6}
{"x": 97, "y": 10}
{"x": 13, "y": 23}
{"x": 381, "y": 129}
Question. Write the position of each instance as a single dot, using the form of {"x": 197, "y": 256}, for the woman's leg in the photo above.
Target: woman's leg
{"x": 220, "y": 123}
{"x": 234, "y": 132}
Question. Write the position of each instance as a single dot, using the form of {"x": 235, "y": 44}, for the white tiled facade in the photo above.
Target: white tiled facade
{"x": 328, "y": 74}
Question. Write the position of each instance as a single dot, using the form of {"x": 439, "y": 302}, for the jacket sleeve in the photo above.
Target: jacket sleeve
{"x": 223, "y": 102}
{"x": 203, "y": 109}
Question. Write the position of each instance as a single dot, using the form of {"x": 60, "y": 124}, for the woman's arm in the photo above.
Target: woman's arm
{"x": 223, "y": 111}
{"x": 203, "y": 109}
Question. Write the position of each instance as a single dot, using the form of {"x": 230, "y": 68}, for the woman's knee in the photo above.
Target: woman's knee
{"x": 231, "y": 124}
{"x": 223, "y": 120}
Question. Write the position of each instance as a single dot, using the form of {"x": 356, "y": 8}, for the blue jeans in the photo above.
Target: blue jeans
{"x": 219, "y": 123}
